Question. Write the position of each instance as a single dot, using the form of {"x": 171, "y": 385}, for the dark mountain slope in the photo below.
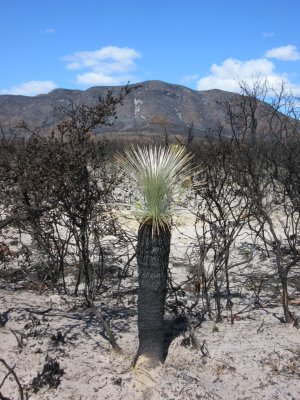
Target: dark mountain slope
{"x": 152, "y": 107}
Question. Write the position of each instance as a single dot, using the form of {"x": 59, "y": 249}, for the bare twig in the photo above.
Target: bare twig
{"x": 110, "y": 336}
{"x": 19, "y": 339}
{"x": 11, "y": 371}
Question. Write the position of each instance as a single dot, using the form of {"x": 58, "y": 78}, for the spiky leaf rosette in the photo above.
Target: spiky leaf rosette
{"x": 159, "y": 174}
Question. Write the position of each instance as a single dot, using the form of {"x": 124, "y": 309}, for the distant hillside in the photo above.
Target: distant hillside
{"x": 154, "y": 106}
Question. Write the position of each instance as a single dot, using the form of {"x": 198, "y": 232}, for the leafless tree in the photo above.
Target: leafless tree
{"x": 58, "y": 188}
{"x": 269, "y": 170}
{"x": 220, "y": 218}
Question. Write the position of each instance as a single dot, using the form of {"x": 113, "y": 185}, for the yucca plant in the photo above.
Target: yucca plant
{"x": 159, "y": 175}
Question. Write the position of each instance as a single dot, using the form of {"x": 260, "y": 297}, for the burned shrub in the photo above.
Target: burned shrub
{"x": 50, "y": 376}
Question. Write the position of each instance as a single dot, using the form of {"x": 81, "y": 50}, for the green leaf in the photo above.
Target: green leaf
{"x": 159, "y": 174}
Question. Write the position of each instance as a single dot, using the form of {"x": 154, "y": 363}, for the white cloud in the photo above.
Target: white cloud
{"x": 49, "y": 31}
{"x": 285, "y": 53}
{"x": 109, "y": 65}
{"x": 98, "y": 78}
{"x": 268, "y": 34}
{"x": 190, "y": 78}
{"x": 227, "y": 75}
{"x": 30, "y": 88}
{"x": 231, "y": 72}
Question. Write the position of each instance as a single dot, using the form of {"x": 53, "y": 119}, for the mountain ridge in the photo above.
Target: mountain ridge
{"x": 153, "y": 106}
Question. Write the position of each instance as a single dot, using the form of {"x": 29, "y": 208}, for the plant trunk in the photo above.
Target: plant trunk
{"x": 86, "y": 265}
{"x": 153, "y": 258}
{"x": 285, "y": 301}
{"x": 283, "y": 276}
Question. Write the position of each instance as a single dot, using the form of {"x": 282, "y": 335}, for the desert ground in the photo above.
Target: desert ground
{"x": 53, "y": 347}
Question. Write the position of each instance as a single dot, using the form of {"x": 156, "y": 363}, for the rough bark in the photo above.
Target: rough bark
{"x": 285, "y": 301}
{"x": 153, "y": 257}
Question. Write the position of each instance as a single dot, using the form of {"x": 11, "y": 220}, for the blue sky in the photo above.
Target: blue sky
{"x": 202, "y": 44}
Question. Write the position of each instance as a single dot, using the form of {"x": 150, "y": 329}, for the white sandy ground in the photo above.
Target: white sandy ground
{"x": 256, "y": 358}
{"x": 243, "y": 361}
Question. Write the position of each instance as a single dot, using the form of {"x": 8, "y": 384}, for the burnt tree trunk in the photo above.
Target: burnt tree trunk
{"x": 283, "y": 276}
{"x": 153, "y": 258}
{"x": 285, "y": 299}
